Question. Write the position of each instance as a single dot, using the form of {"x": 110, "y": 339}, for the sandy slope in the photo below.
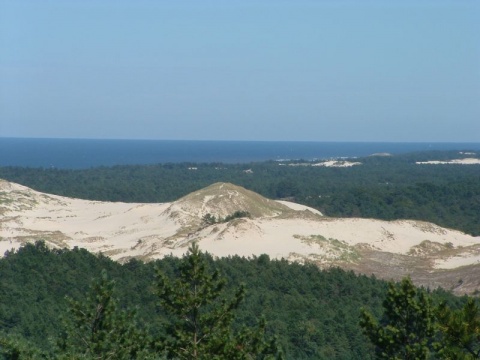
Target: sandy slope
{"x": 330, "y": 240}
{"x": 64, "y": 222}
{"x": 280, "y": 229}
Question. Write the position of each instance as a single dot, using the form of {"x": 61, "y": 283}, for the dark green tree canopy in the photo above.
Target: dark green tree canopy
{"x": 203, "y": 316}
{"x": 406, "y": 329}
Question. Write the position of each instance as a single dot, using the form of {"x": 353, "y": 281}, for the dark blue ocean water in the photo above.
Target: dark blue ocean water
{"x": 81, "y": 153}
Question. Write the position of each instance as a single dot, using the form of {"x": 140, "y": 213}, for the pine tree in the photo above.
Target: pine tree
{"x": 460, "y": 331}
{"x": 202, "y": 327}
{"x": 13, "y": 348}
{"x": 406, "y": 330}
{"x": 96, "y": 329}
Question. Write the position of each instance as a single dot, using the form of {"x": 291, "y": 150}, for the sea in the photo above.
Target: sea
{"x": 88, "y": 153}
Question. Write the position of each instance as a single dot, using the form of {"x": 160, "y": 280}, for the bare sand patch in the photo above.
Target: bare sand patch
{"x": 465, "y": 161}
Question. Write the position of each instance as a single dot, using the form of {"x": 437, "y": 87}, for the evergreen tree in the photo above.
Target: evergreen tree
{"x": 460, "y": 331}
{"x": 202, "y": 316}
{"x": 98, "y": 330}
{"x": 13, "y": 348}
{"x": 406, "y": 330}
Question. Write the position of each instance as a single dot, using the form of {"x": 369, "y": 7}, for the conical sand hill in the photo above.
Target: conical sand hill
{"x": 223, "y": 199}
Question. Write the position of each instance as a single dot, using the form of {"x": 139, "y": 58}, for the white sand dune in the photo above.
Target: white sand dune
{"x": 337, "y": 163}
{"x": 280, "y": 229}
{"x": 465, "y": 161}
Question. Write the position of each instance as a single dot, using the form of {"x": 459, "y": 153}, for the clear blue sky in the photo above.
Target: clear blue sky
{"x": 395, "y": 70}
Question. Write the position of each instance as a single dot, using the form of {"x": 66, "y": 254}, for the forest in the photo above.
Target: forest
{"x": 71, "y": 304}
{"x": 383, "y": 187}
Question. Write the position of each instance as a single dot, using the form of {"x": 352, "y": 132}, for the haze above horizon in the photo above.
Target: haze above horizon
{"x": 397, "y": 71}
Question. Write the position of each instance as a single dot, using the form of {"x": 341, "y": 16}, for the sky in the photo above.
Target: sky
{"x": 274, "y": 70}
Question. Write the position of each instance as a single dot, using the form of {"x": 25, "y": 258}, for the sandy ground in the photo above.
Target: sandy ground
{"x": 466, "y": 161}
{"x": 299, "y": 207}
{"x": 457, "y": 261}
{"x": 337, "y": 163}
{"x": 328, "y": 239}
{"x": 148, "y": 231}
{"x": 328, "y": 163}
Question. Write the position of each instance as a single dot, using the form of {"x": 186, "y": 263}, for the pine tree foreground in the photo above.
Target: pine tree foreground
{"x": 407, "y": 327}
{"x": 412, "y": 328}
{"x": 202, "y": 327}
